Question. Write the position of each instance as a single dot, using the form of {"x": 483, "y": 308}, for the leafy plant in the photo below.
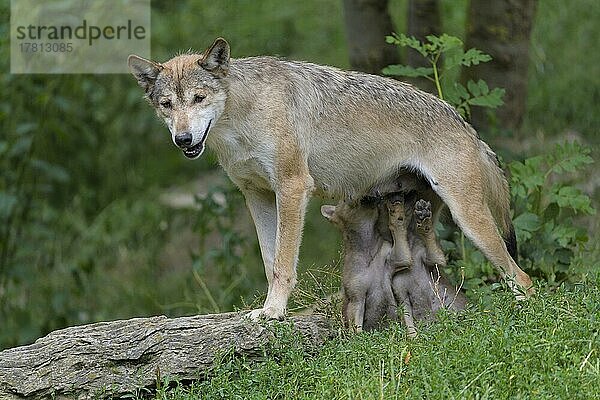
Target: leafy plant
{"x": 545, "y": 207}
{"x": 225, "y": 255}
{"x": 474, "y": 94}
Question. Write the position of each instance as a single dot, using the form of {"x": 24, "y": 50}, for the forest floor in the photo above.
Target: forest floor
{"x": 545, "y": 347}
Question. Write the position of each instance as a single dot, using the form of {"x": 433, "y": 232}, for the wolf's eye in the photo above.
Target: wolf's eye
{"x": 198, "y": 98}
{"x": 166, "y": 103}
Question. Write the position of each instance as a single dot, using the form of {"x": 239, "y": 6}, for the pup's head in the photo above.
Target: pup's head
{"x": 187, "y": 92}
{"x": 353, "y": 218}
{"x": 359, "y": 221}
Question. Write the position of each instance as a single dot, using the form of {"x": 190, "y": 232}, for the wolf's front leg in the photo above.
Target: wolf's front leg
{"x": 291, "y": 199}
{"x": 263, "y": 209}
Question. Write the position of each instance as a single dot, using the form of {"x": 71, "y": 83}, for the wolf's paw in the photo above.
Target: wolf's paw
{"x": 520, "y": 285}
{"x": 268, "y": 313}
{"x": 523, "y": 294}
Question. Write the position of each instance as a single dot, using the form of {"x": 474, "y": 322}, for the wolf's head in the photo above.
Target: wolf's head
{"x": 187, "y": 92}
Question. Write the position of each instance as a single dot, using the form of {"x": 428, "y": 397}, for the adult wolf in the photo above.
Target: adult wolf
{"x": 284, "y": 130}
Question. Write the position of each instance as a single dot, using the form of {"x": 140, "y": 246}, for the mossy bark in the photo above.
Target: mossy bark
{"x": 501, "y": 28}
{"x": 108, "y": 359}
{"x": 367, "y": 23}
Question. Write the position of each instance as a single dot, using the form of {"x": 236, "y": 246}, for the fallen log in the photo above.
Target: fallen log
{"x": 109, "y": 359}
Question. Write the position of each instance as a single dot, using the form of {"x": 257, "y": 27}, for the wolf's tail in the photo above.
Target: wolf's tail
{"x": 511, "y": 243}
{"x": 497, "y": 195}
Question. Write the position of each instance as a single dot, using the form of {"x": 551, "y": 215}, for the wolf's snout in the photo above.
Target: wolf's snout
{"x": 183, "y": 139}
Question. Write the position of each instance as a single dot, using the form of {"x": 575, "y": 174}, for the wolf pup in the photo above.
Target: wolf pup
{"x": 399, "y": 197}
{"x": 412, "y": 208}
{"x": 374, "y": 282}
{"x": 367, "y": 273}
{"x": 421, "y": 289}
{"x": 284, "y": 130}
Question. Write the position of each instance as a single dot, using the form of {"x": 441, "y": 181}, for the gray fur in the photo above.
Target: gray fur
{"x": 366, "y": 276}
{"x": 422, "y": 290}
{"x": 373, "y": 284}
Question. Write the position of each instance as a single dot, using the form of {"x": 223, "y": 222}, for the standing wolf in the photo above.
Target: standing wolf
{"x": 284, "y": 130}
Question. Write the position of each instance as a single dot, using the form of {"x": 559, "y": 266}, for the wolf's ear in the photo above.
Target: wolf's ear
{"x": 145, "y": 71}
{"x": 328, "y": 211}
{"x": 216, "y": 58}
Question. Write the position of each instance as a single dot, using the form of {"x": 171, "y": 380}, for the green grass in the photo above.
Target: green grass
{"x": 544, "y": 348}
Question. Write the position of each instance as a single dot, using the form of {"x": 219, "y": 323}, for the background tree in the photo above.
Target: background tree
{"x": 367, "y": 23}
{"x": 502, "y": 29}
{"x": 423, "y": 19}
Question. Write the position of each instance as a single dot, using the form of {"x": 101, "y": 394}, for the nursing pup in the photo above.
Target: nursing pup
{"x": 379, "y": 231}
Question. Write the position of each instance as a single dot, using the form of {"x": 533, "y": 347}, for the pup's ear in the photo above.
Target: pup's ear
{"x": 145, "y": 71}
{"x": 328, "y": 211}
{"x": 216, "y": 58}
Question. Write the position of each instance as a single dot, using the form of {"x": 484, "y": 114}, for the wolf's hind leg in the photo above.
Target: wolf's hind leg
{"x": 400, "y": 256}
{"x": 425, "y": 229}
{"x": 472, "y": 214}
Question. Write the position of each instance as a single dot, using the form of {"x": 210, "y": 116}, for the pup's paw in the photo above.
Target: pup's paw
{"x": 423, "y": 215}
{"x": 423, "y": 209}
{"x": 267, "y": 313}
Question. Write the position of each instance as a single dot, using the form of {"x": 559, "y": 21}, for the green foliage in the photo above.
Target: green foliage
{"x": 551, "y": 246}
{"x": 71, "y": 270}
{"x": 545, "y": 209}
{"x": 73, "y": 152}
{"x": 451, "y": 47}
{"x": 83, "y": 162}
{"x": 225, "y": 254}
{"x": 564, "y": 78}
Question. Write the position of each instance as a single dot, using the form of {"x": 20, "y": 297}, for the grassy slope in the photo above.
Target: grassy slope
{"x": 546, "y": 347}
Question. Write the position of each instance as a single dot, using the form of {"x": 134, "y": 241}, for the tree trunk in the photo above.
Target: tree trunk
{"x": 423, "y": 19}
{"x": 502, "y": 29}
{"x": 109, "y": 359}
{"x": 367, "y": 24}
